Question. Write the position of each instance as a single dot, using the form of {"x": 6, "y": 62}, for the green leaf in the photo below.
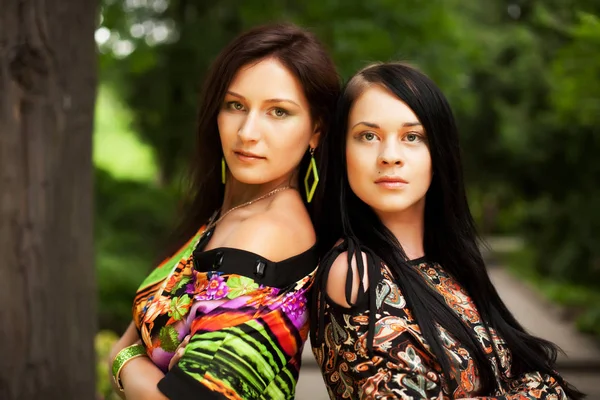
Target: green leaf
{"x": 240, "y": 285}
{"x": 184, "y": 281}
{"x": 179, "y": 307}
{"x": 168, "y": 338}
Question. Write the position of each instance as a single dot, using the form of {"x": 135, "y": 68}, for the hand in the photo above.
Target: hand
{"x": 179, "y": 352}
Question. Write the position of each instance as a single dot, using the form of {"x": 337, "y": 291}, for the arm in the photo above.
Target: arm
{"x": 336, "y": 280}
{"x": 128, "y": 338}
{"x": 139, "y": 376}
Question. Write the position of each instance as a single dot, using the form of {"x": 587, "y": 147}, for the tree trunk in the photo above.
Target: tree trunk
{"x": 47, "y": 285}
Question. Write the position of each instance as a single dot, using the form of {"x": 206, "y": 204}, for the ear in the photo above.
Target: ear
{"x": 316, "y": 137}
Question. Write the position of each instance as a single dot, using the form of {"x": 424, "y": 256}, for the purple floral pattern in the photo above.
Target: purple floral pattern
{"x": 294, "y": 304}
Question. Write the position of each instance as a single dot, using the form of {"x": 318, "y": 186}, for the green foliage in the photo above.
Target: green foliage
{"x": 103, "y": 344}
{"x": 581, "y": 303}
{"x": 534, "y": 130}
{"x": 521, "y": 76}
{"x": 116, "y": 146}
{"x": 564, "y": 222}
{"x": 132, "y": 219}
{"x": 575, "y": 84}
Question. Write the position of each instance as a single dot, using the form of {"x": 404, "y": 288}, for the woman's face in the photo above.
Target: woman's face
{"x": 388, "y": 161}
{"x": 265, "y": 123}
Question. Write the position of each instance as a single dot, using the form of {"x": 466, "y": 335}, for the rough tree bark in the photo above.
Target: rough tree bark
{"x": 47, "y": 286}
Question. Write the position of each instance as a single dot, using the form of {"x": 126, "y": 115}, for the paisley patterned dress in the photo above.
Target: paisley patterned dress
{"x": 247, "y": 317}
{"x": 402, "y": 365}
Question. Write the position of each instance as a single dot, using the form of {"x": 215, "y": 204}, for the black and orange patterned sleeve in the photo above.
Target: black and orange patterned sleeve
{"x": 374, "y": 349}
{"x": 532, "y": 386}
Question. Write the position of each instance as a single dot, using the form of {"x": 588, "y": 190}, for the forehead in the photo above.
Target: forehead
{"x": 378, "y": 105}
{"x": 267, "y": 79}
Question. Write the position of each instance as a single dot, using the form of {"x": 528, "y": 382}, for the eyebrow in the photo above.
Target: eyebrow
{"x": 375, "y": 126}
{"x": 266, "y": 101}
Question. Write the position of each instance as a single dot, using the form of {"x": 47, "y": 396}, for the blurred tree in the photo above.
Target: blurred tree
{"x": 172, "y": 45}
{"x": 131, "y": 219}
{"x": 567, "y": 218}
{"x": 47, "y": 91}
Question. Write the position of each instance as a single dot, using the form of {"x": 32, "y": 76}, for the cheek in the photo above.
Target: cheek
{"x": 289, "y": 138}
{"x": 423, "y": 169}
{"x": 224, "y": 125}
{"x": 351, "y": 162}
{"x": 357, "y": 169}
{"x": 286, "y": 144}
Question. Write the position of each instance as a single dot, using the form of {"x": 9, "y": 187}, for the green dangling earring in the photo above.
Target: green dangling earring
{"x": 223, "y": 170}
{"x": 312, "y": 170}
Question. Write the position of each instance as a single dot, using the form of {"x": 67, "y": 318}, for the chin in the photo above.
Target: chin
{"x": 389, "y": 206}
{"x": 253, "y": 178}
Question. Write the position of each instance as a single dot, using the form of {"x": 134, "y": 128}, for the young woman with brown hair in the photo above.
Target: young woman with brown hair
{"x": 226, "y": 317}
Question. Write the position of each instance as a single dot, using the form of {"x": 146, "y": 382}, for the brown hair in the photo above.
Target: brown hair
{"x": 304, "y": 56}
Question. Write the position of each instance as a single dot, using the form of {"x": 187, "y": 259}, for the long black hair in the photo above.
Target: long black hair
{"x": 450, "y": 237}
{"x": 304, "y": 56}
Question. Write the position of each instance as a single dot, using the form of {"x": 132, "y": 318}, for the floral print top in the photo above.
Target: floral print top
{"x": 401, "y": 364}
{"x": 246, "y": 316}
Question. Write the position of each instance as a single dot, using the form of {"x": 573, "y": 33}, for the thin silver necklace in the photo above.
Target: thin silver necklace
{"x": 264, "y": 196}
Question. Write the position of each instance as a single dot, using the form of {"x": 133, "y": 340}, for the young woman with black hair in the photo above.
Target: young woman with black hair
{"x": 403, "y": 306}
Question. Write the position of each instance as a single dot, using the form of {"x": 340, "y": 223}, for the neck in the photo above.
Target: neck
{"x": 408, "y": 227}
{"x": 237, "y": 192}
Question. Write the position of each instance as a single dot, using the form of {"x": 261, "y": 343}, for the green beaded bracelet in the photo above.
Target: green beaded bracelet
{"x": 123, "y": 357}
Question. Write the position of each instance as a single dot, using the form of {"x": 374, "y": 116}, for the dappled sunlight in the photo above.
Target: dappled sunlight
{"x": 116, "y": 147}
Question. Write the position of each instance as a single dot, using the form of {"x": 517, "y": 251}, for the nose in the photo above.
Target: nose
{"x": 249, "y": 129}
{"x": 391, "y": 154}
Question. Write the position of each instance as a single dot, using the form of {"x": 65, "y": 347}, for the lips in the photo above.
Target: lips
{"x": 247, "y": 155}
{"x": 391, "y": 182}
{"x": 391, "y": 179}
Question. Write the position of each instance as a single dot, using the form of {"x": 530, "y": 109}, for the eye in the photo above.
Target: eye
{"x": 235, "y": 105}
{"x": 413, "y": 137}
{"x": 368, "y": 136}
{"x": 279, "y": 112}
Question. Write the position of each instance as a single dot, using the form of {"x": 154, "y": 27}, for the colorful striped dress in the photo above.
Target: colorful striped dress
{"x": 247, "y": 318}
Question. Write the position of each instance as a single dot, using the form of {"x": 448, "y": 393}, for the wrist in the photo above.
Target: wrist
{"x": 122, "y": 358}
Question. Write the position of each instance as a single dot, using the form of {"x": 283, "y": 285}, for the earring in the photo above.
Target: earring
{"x": 312, "y": 170}
{"x": 223, "y": 170}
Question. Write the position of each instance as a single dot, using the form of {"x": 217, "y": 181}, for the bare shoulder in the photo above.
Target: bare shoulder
{"x": 338, "y": 274}
{"x": 282, "y": 231}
